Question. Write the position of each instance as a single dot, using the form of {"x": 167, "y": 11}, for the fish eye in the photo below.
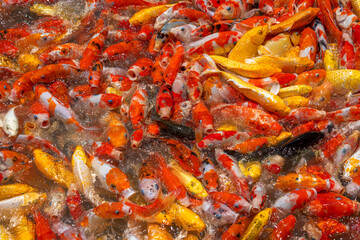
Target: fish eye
{"x": 317, "y": 75}
{"x": 15, "y": 159}
{"x": 260, "y": 32}
{"x": 117, "y": 212}
{"x": 182, "y": 29}
{"x": 110, "y": 101}
{"x": 266, "y": 20}
{"x": 22, "y": 92}
{"x": 125, "y": 134}
{"x": 35, "y": 117}
{"x": 5, "y": 87}
{"x": 228, "y": 8}
{"x": 44, "y": 38}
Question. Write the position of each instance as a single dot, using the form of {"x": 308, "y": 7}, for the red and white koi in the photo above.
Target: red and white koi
{"x": 136, "y": 138}
{"x": 258, "y": 196}
{"x": 295, "y": 200}
{"x": 346, "y": 149}
{"x": 140, "y": 69}
{"x": 56, "y": 108}
{"x": 308, "y": 44}
{"x": 222, "y": 139}
{"x": 164, "y": 103}
{"x": 149, "y": 183}
{"x": 210, "y": 176}
{"x": 347, "y": 52}
{"x": 215, "y": 44}
{"x": 233, "y": 201}
{"x": 106, "y": 101}
{"x": 101, "y": 149}
{"x": 345, "y": 17}
{"x": 64, "y": 51}
{"x": 40, "y": 115}
{"x": 112, "y": 178}
{"x": 232, "y": 167}
{"x": 139, "y": 107}
{"x": 203, "y": 118}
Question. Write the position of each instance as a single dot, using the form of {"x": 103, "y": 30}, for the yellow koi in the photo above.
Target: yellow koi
{"x": 248, "y": 44}
{"x": 53, "y": 169}
{"x": 21, "y": 205}
{"x": 296, "y": 21}
{"x": 251, "y": 170}
{"x": 277, "y": 46}
{"x": 23, "y": 228}
{"x": 294, "y": 91}
{"x": 356, "y": 6}
{"x": 295, "y": 38}
{"x": 113, "y": 91}
{"x": 257, "y": 225}
{"x": 293, "y": 52}
{"x": 28, "y": 62}
{"x": 344, "y": 81}
{"x": 192, "y": 185}
{"x": 296, "y": 102}
{"x": 5, "y": 234}
{"x": 157, "y": 232}
{"x": 13, "y": 190}
{"x": 286, "y": 64}
{"x": 246, "y": 70}
{"x": 331, "y": 58}
{"x": 146, "y": 15}
{"x": 186, "y": 218}
{"x": 274, "y": 140}
{"x": 268, "y": 100}
{"x": 163, "y": 217}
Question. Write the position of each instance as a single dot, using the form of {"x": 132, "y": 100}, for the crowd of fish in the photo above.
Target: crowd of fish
{"x": 210, "y": 119}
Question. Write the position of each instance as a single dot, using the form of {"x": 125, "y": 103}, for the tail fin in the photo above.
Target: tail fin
{"x": 161, "y": 203}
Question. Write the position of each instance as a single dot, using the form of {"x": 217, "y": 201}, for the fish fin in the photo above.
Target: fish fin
{"x": 161, "y": 203}
{"x": 275, "y": 88}
{"x": 250, "y": 61}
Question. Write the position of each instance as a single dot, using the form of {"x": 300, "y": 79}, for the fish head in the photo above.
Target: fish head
{"x": 259, "y": 34}
{"x": 227, "y": 11}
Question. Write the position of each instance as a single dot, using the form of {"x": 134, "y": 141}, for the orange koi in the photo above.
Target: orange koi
{"x": 187, "y": 159}
{"x": 43, "y": 229}
{"x": 283, "y": 229}
{"x": 174, "y": 64}
{"x": 122, "y": 50}
{"x": 59, "y": 90}
{"x": 332, "y": 205}
{"x": 95, "y": 77}
{"x": 93, "y": 50}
